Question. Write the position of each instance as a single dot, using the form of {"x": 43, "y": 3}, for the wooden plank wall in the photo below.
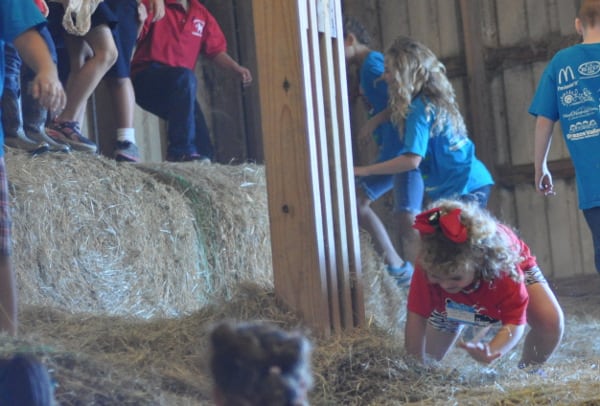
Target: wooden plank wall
{"x": 518, "y": 38}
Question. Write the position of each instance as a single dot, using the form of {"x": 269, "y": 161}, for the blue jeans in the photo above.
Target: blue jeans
{"x": 12, "y": 71}
{"x": 16, "y": 72}
{"x": 592, "y": 217}
{"x": 170, "y": 93}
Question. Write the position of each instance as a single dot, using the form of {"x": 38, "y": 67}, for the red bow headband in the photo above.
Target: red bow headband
{"x": 431, "y": 220}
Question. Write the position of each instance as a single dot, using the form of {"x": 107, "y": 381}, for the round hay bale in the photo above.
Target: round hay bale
{"x": 232, "y": 220}
{"x": 91, "y": 235}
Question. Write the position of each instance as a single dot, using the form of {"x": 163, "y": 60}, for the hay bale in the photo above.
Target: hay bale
{"x": 232, "y": 220}
{"x": 91, "y": 235}
{"x": 100, "y": 248}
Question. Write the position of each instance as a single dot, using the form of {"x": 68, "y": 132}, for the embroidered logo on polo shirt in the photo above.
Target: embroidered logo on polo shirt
{"x": 198, "y": 27}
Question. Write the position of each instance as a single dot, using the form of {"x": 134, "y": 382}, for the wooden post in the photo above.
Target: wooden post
{"x": 481, "y": 117}
{"x": 305, "y": 122}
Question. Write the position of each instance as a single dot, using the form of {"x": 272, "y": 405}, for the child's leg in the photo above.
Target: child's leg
{"x": 546, "y": 319}
{"x": 203, "y": 141}
{"x": 170, "y": 93}
{"x": 123, "y": 99}
{"x": 8, "y": 290}
{"x": 12, "y": 115}
{"x": 82, "y": 82}
{"x": 367, "y": 191}
{"x": 118, "y": 81}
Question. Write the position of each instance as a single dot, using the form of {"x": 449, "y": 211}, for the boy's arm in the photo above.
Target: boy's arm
{"x": 543, "y": 139}
{"x": 225, "y": 61}
{"x": 414, "y": 335}
{"x": 46, "y": 86}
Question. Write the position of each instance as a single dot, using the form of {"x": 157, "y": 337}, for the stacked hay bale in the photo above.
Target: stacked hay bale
{"x": 94, "y": 236}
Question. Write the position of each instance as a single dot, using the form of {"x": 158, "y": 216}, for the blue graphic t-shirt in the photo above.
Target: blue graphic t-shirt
{"x": 569, "y": 91}
{"x": 375, "y": 90}
{"x": 16, "y": 17}
{"x": 449, "y": 166}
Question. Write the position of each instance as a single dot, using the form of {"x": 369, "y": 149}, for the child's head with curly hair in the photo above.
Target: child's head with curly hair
{"x": 462, "y": 242}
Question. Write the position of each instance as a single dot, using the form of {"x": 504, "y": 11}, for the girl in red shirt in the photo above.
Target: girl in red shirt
{"x": 473, "y": 270}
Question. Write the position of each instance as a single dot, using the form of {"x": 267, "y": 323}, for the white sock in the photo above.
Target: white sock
{"x": 126, "y": 135}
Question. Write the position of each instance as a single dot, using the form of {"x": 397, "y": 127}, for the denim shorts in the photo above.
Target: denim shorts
{"x": 408, "y": 189}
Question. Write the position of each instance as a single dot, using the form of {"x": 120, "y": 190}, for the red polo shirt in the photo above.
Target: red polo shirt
{"x": 179, "y": 38}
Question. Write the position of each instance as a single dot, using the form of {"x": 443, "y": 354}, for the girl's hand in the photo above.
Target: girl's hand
{"x": 480, "y": 351}
{"x": 544, "y": 183}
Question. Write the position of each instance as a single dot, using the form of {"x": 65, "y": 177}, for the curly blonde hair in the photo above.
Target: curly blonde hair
{"x": 488, "y": 251}
{"x": 416, "y": 71}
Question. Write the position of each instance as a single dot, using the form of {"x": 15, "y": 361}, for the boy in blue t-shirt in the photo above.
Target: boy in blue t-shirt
{"x": 568, "y": 92}
{"x": 18, "y": 22}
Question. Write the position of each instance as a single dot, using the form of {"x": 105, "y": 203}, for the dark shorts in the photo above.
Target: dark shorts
{"x": 5, "y": 219}
{"x": 125, "y": 34}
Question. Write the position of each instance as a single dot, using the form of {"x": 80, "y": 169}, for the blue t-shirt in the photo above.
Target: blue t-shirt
{"x": 569, "y": 91}
{"x": 16, "y": 17}
{"x": 375, "y": 89}
{"x": 450, "y": 168}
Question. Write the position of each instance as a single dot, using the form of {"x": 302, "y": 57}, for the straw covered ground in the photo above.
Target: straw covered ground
{"x": 123, "y": 269}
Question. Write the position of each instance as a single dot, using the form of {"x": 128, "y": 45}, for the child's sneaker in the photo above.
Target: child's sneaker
{"x": 402, "y": 274}
{"x": 68, "y": 132}
{"x": 126, "y": 151}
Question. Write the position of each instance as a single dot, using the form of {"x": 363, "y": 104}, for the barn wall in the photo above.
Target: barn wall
{"x": 517, "y": 38}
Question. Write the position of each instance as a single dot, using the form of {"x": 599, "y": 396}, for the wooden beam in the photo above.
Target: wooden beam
{"x": 308, "y": 182}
